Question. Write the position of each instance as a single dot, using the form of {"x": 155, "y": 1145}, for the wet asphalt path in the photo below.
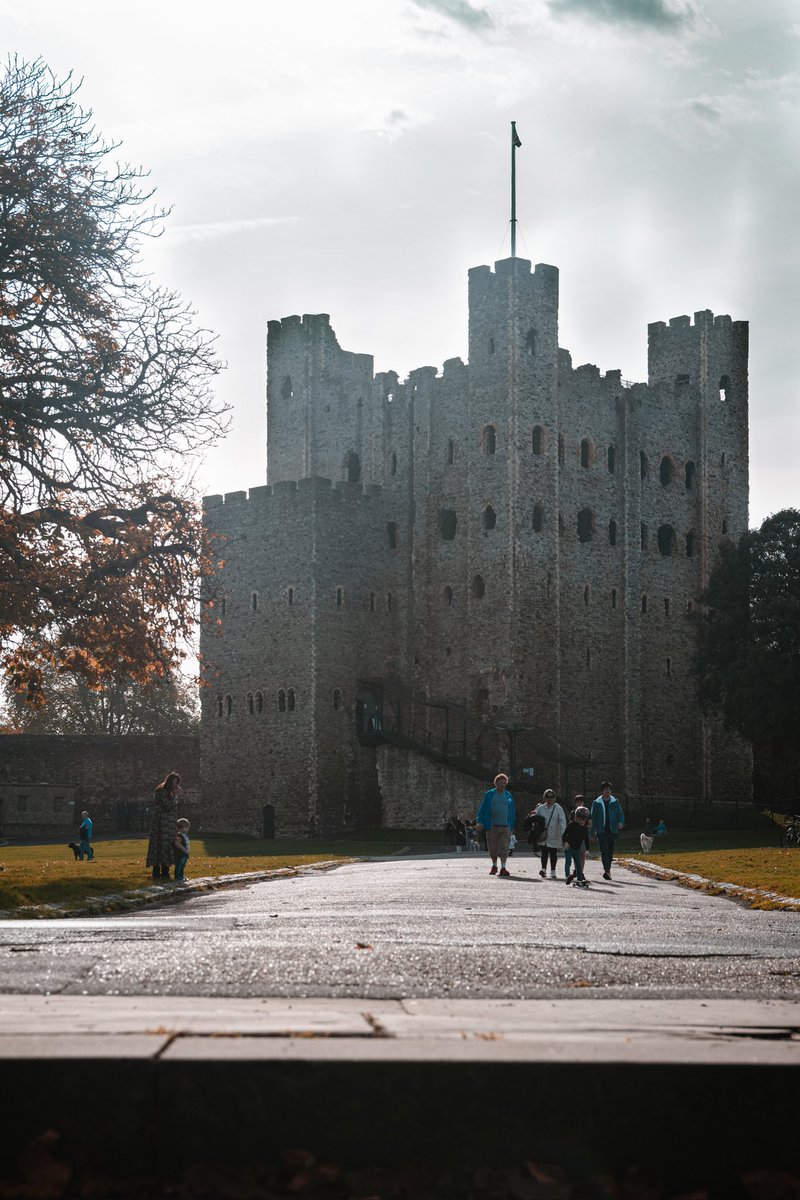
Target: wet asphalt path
{"x": 418, "y": 927}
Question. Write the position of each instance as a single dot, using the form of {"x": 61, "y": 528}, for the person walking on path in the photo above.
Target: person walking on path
{"x": 164, "y": 827}
{"x": 608, "y": 820}
{"x": 576, "y": 837}
{"x": 555, "y": 822}
{"x": 85, "y": 837}
{"x": 497, "y": 816}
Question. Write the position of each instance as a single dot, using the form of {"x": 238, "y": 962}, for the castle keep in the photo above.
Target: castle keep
{"x": 513, "y": 542}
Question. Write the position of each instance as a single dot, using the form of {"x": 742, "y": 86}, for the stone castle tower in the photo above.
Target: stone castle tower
{"x": 512, "y": 543}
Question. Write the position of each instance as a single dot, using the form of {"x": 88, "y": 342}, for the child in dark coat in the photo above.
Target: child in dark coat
{"x": 576, "y": 837}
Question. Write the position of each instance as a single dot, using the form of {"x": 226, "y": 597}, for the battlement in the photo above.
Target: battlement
{"x": 314, "y": 488}
{"x": 704, "y": 319}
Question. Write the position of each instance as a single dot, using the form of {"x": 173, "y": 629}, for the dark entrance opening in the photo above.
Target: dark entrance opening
{"x": 269, "y": 822}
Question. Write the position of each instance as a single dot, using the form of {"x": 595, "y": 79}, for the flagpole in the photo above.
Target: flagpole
{"x": 514, "y": 143}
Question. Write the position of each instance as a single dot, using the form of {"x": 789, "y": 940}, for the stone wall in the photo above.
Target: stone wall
{"x": 46, "y": 781}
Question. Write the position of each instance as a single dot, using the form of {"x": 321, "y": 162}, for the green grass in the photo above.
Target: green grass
{"x": 45, "y": 874}
{"x": 750, "y": 857}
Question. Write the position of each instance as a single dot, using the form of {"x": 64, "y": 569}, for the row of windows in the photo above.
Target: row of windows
{"x": 585, "y": 526}
{"x": 255, "y": 601}
{"x": 285, "y": 700}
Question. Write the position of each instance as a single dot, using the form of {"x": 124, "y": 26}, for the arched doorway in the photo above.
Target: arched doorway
{"x": 269, "y": 822}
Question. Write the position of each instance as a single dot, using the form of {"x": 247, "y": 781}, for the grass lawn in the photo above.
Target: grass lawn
{"x": 48, "y": 874}
{"x": 750, "y": 857}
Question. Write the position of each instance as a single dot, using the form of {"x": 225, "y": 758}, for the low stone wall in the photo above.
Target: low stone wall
{"x": 47, "y": 780}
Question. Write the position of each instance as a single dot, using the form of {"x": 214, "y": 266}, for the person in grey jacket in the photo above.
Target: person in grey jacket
{"x": 607, "y": 821}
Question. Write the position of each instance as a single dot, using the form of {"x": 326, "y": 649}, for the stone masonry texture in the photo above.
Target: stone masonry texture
{"x": 515, "y": 535}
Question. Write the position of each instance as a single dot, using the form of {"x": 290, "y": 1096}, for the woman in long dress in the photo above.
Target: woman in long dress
{"x": 164, "y": 827}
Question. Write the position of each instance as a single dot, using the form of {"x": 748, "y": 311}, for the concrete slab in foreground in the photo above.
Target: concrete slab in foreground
{"x": 175, "y": 1080}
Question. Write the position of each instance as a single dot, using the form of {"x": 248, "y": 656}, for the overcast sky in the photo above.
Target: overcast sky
{"x": 351, "y": 157}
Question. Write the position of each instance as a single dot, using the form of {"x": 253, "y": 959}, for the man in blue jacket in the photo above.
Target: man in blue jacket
{"x": 607, "y": 821}
{"x": 497, "y": 816}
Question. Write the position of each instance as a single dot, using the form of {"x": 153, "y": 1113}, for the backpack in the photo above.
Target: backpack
{"x": 535, "y": 825}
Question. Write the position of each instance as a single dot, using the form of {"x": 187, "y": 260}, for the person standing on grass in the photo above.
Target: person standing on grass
{"x": 164, "y": 827}
{"x": 497, "y": 816}
{"x": 555, "y": 822}
{"x": 608, "y": 820}
{"x": 85, "y": 838}
{"x": 181, "y": 849}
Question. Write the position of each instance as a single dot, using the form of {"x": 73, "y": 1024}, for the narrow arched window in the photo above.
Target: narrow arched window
{"x": 667, "y": 541}
{"x": 587, "y": 453}
{"x": 286, "y": 388}
{"x": 690, "y": 475}
{"x": 724, "y": 387}
{"x": 290, "y": 700}
{"x": 613, "y": 597}
{"x": 478, "y": 588}
{"x": 588, "y": 658}
{"x": 537, "y": 440}
{"x": 724, "y": 528}
{"x": 448, "y": 523}
{"x": 666, "y": 471}
{"x": 489, "y": 439}
{"x": 666, "y": 606}
{"x": 489, "y": 518}
{"x": 388, "y": 601}
{"x": 451, "y": 451}
{"x": 281, "y": 701}
{"x": 219, "y": 706}
{"x": 290, "y": 596}
{"x": 587, "y": 594}
{"x": 538, "y": 518}
{"x": 644, "y": 604}
{"x": 339, "y": 597}
{"x": 643, "y": 537}
{"x": 669, "y": 666}
{"x": 223, "y": 604}
{"x": 447, "y": 595}
{"x": 393, "y": 467}
{"x": 530, "y": 343}
{"x": 585, "y": 525}
{"x": 372, "y": 602}
{"x": 337, "y": 699}
{"x": 643, "y": 464}
{"x": 228, "y": 705}
{"x": 612, "y": 459}
{"x": 254, "y": 601}
{"x": 251, "y": 705}
{"x": 561, "y": 450}
{"x": 352, "y": 466}
{"x": 689, "y": 544}
{"x": 612, "y": 532}
{"x": 490, "y": 345}
{"x": 259, "y": 702}
{"x": 391, "y": 534}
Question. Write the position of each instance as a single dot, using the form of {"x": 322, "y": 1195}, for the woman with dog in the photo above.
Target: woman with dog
{"x": 164, "y": 827}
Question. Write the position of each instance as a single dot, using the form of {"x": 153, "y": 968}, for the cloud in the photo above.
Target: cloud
{"x": 460, "y": 11}
{"x": 654, "y": 14}
{"x": 395, "y": 123}
{"x": 217, "y": 229}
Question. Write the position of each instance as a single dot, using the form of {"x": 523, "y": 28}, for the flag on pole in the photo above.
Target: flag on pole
{"x": 515, "y": 140}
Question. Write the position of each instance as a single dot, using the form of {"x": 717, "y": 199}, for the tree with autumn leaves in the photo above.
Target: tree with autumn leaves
{"x": 105, "y": 404}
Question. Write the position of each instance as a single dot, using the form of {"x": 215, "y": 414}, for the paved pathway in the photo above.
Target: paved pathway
{"x": 436, "y": 927}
